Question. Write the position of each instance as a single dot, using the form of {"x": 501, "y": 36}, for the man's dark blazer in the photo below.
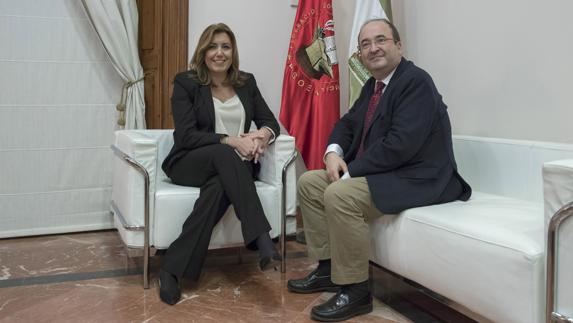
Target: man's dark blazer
{"x": 408, "y": 158}
{"x": 194, "y": 114}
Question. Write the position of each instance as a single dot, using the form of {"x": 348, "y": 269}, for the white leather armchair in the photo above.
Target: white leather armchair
{"x": 149, "y": 210}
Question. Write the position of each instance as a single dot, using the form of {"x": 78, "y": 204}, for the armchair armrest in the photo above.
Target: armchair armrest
{"x": 273, "y": 161}
{"x": 142, "y": 147}
{"x": 558, "y": 199}
{"x": 135, "y": 173}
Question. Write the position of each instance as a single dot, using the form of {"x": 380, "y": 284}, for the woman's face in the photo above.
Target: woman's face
{"x": 219, "y": 55}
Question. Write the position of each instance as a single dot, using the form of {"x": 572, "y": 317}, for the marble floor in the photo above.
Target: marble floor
{"x": 84, "y": 277}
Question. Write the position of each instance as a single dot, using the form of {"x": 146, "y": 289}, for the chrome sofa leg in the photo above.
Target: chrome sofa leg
{"x": 126, "y": 266}
{"x": 146, "y": 268}
{"x": 558, "y": 218}
{"x": 146, "y": 247}
{"x": 283, "y": 213}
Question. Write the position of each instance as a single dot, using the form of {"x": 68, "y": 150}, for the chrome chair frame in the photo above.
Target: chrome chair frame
{"x": 552, "y": 238}
{"x": 150, "y": 251}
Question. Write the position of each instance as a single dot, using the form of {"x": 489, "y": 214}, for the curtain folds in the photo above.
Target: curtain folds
{"x": 116, "y": 23}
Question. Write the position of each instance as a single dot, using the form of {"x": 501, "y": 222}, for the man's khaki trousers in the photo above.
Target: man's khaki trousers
{"x": 335, "y": 219}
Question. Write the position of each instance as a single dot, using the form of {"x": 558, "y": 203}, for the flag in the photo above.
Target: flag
{"x": 365, "y": 10}
{"x": 310, "y": 104}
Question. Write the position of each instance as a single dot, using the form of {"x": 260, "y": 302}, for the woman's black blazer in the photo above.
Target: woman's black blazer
{"x": 194, "y": 114}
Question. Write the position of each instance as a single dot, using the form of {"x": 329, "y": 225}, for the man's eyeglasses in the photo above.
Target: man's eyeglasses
{"x": 368, "y": 45}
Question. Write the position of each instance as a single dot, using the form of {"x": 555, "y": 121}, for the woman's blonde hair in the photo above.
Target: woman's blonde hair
{"x": 197, "y": 64}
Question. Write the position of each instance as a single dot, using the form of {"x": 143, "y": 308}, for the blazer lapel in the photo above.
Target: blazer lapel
{"x": 208, "y": 97}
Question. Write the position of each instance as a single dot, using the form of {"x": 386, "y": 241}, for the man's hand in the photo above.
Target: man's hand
{"x": 334, "y": 165}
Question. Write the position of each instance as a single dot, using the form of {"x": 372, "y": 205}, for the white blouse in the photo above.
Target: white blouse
{"x": 230, "y": 118}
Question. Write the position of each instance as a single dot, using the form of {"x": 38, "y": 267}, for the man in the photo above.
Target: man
{"x": 392, "y": 151}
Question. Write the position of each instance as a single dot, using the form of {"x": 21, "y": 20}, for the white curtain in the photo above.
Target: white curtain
{"x": 58, "y": 91}
{"x": 115, "y": 22}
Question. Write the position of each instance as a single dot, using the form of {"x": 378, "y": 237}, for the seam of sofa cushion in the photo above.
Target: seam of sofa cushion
{"x": 535, "y": 256}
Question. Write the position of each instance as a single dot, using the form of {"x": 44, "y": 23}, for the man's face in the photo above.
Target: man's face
{"x": 379, "y": 53}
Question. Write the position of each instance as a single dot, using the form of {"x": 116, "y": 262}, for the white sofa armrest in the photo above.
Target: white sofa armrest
{"x": 128, "y": 182}
{"x": 557, "y": 185}
{"x": 144, "y": 147}
{"x": 558, "y": 192}
{"x": 273, "y": 161}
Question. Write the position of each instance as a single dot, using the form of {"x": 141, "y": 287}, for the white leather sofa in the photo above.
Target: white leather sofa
{"x": 145, "y": 227}
{"x": 487, "y": 256}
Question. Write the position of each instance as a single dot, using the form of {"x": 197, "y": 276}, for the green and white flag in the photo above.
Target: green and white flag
{"x": 365, "y": 10}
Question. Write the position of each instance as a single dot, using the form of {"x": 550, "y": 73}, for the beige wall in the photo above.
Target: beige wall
{"x": 263, "y": 29}
{"x": 503, "y": 67}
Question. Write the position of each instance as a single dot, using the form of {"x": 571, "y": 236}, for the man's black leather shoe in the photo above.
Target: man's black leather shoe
{"x": 312, "y": 283}
{"x": 169, "y": 290}
{"x": 347, "y": 303}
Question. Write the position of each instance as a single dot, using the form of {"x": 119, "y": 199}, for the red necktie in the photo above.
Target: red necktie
{"x": 370, "y": 113}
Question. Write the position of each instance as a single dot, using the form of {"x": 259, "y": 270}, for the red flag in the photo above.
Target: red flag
{"x": 310, "y": 103}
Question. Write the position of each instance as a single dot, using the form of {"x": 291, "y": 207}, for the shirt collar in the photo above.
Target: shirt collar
{"x": 386, "y": 80}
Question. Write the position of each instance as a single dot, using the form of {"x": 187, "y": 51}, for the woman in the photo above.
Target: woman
{"x": 213, "y": 105}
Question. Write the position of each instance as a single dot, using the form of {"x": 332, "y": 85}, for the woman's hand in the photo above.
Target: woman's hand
{"x": 260, "y": 139}
{"x": 244, "y": 145}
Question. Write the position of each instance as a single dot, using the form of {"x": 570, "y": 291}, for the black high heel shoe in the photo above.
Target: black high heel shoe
{"x": 271, "y": 261}
{"x": 268, "y": 254}
{"x": 169, "y": 290}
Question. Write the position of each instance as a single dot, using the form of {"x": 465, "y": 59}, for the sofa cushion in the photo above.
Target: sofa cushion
{"x": 486, "y": 254}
